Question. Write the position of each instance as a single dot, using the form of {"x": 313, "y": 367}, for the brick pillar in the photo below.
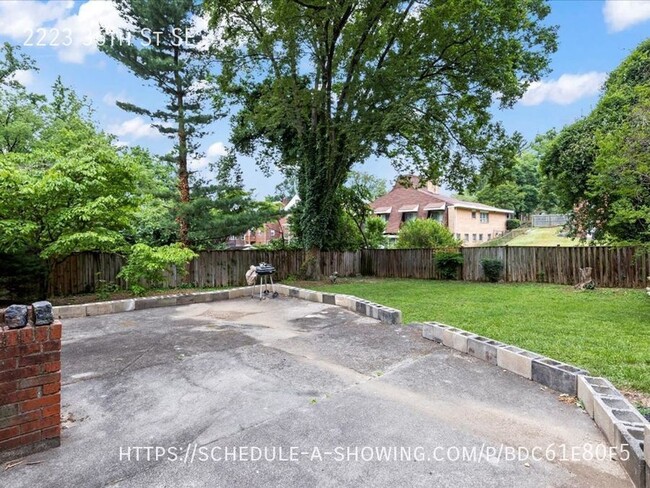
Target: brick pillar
{"x": 30, "y": 383}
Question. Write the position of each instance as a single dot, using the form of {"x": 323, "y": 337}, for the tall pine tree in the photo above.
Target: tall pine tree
{"x": 166, "y": 46}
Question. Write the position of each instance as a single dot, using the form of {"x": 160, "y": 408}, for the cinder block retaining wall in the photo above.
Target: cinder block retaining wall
{"x": 621, "y": 423}
{"x": 30, "y": 380}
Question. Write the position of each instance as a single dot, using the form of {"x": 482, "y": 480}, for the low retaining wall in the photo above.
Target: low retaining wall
{"x": 30, "y": 380}
{"x": 622, "y": 424}
{"x": 364, "y": 307}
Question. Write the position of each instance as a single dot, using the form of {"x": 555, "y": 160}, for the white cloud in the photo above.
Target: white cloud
{"x": 198, "y": 164}
{"x": 24, "y": 77}
{"x": 18, "y": 17}
{"x": 621, "y": 14}
{"x": 84, "y": 28}
{"x": 217, "y": 149}
{"x": 567, "y": 89}
{"x": 135, "y": 128}
{"x": 110, "y": 98}
{"x": 54, "y": 23}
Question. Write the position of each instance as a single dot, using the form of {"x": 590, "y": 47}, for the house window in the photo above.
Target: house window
{"x": 406, "y": 216}
{"x": 473, "y": 214}
{"x": 489, "y": 237}
{"x": 485, "y": 217}
{"x": 480, "y": 237}
{"x": 383, "y": 216}
{"x": 473, "y": 237}
{"x": 272, "y": 233}
{"x": 458, "y": 236}
{"x": 435, "y": 215}
{"x": 466, "y": 237}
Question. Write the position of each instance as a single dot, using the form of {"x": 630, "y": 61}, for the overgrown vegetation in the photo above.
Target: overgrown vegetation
{"x": 145, "y": 265}
{"x": 492, "y": 269}
{"x": 448, "y": 264}
{"x": 425, "y": 233}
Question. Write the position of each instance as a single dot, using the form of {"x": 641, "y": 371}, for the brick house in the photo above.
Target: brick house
{"x": 270, "y": 231}
{"x": 471, "y": 222}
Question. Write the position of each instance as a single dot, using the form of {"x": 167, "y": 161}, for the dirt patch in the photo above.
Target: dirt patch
{"x": 122, "y": 295}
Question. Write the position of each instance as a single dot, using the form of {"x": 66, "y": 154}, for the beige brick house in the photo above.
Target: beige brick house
{"x": 471, "y": 222}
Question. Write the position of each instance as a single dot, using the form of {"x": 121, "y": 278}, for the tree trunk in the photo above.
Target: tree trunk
{"x": 310, "y": 269}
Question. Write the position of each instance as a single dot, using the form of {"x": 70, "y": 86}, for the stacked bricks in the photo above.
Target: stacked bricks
{"x": 30, "y": 380}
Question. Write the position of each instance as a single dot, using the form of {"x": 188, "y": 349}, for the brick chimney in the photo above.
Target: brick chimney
{"x": 432, "y": 187}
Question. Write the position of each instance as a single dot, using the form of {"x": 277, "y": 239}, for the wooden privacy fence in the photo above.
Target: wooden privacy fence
{"x": 624, "y": 267}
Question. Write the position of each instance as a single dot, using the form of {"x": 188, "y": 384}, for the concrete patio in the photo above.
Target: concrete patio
{"x": 312, "y": 384}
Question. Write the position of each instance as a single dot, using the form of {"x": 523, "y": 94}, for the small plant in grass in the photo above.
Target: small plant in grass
{"x": 492, "y": 269}
{"x": 448, "y": 264}
{"x": 145, "y": 265}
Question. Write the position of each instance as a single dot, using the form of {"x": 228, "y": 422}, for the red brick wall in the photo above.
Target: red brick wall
{"x": 30, "y": 389}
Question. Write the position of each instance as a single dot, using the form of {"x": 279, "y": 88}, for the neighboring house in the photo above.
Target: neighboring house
{"x": 270, "y": 231}
{"x": 471, "y": 222}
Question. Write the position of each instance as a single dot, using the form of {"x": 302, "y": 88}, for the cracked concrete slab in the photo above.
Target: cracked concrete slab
{"x": 287, "y": 373}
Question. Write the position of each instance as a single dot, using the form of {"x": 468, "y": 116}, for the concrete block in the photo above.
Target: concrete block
{"x": 372, "y": 310}
{"x": 119, "y": 306}
{"x": 99, "y": 308}
{"x": 294, "y": 292}
{"x": 344, "y": 301}
{"x": 146, "y": 303}
{"x": 483, "y": 348}
{"x": 556, "y": 375}
{"x": 282, "y": 290}
{"x": 435, "y": 331}
{"x": 588, "y": 386}
{"x": 69, "y": 311}
{"x": 42, "y": 313}
{"x": 629, "y": 447}
{"x": 611, "y": 409}
{"x": 646, "y": 449}
{"x": 456, "y": 338}
{"x": 329, "y": 299}
{"x": 390, "y": 316}
{"x": 360, "y": 306}
{"x": 240, "y": 292}
{"x": 516, "y": 360}
{"x": 16, "y": 316}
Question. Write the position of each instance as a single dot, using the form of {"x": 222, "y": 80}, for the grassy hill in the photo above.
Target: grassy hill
{"x": 543, "y": 236}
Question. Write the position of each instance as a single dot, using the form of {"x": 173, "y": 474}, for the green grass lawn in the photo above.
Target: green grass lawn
{"x": 606, "y": 331}
{"x": 543, "y": 236}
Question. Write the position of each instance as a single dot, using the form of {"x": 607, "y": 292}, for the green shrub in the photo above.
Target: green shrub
{"x": 448, "y": 264}
{"x": 512, "y": 224}
{"x": 145, "y": 265}
{"x": 492, "y": 269}
{"x": 424, "y": 233}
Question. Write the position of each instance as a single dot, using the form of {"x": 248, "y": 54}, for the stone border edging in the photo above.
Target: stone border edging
{"x": 384, "y": 314}
{"x": 621, "y": 423}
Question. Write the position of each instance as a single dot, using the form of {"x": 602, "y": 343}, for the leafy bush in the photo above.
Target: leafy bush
{"x": 146, "y": 265}
{"x": 424, "y": 233}
{"x": 512, "y": 224}
{"x": 492, "y": 269}
{"x": 448, "y": 263}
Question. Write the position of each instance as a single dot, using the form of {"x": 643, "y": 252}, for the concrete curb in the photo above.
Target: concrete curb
{"x": 386, "y": 315}
{"x": 623, "y": 426}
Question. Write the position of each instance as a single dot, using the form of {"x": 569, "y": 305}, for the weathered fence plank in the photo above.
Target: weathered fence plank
{"x": 625, "y": 267}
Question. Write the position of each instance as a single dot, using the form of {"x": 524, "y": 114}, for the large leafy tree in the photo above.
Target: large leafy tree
{"x": 167, "y": 47}
{"x": 324, "y": 85}
{"x": 598, "y": 165}
{"x": 72, "y": 191}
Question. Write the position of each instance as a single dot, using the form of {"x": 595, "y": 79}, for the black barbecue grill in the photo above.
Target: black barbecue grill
{"x": 264, "y": 273}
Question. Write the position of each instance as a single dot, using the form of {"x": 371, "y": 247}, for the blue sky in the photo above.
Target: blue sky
{"x": 594, "y": 37}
